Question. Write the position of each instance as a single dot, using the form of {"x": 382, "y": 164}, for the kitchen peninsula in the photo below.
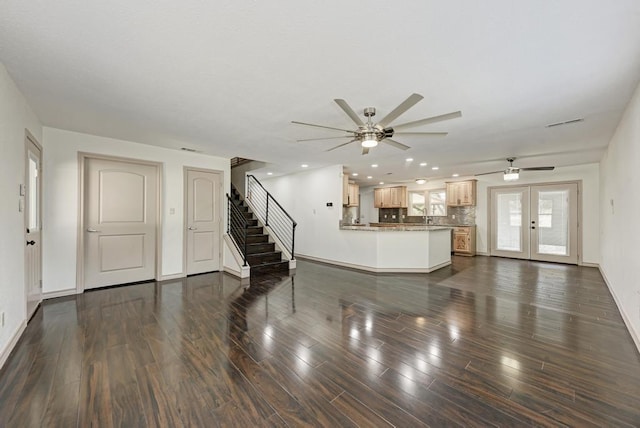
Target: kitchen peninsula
{"x": 398, "y": 249}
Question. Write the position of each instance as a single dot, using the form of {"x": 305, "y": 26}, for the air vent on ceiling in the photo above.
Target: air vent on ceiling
{"x": 568, "y": 122}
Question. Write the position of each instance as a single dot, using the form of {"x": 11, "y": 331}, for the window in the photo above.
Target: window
{"x": 437, "y": 203}
{"x": 416, "y": 204}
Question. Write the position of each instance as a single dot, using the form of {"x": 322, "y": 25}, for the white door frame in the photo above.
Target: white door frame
{"x": 82, "y": 157}
{"x": 579, "y": 208}
{"x": 30, "y": 139}
{"x": 221, "y": 213}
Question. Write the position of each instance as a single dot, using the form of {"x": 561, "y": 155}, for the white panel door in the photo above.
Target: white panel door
{"x": 554, "y": 223}
{"x": 204, "y": 192}
{"x": 32, "y": 193}
{"x": 120, "y": 222}
{"x": 509, "y": 222}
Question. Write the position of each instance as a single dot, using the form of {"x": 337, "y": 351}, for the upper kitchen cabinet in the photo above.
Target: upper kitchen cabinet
{"x": 461, "y": 193}
{"x": 390, "y": 197}
{"x": 350, "y": 193}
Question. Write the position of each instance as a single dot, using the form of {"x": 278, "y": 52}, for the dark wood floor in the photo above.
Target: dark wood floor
{"x": 484, "y": 342}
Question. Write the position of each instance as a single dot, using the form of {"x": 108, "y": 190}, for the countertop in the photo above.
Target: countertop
{"x": 396, "y": 228}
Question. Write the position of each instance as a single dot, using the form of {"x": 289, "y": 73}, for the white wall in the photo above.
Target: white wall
{"x": 304, "y": 195}
{"x": 619, "y": 209}
{"x": 15, "y": 117}
{"x": 61, "y": 198}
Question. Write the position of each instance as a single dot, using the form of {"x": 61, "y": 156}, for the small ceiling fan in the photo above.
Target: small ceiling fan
{"x": 369, "y": 134}
{"x": 512, "y": 173}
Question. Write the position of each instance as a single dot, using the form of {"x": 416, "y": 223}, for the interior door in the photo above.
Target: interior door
{"x": 120, "y": 222}
{"x": 32, "y": 193}
{"x": 203, "y": 193}
{"x": 510, "y": 235}
{"x": 535, "y": 222}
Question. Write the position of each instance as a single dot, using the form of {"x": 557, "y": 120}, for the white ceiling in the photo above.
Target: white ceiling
{"x": 227, "y": 77}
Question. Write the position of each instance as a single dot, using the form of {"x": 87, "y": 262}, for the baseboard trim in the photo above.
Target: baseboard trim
{"x": 370, "y": 268}
{"x": 594, "y": 265}
{"x": 59, "y": 293}
{"x": 171, "y": 277}
{"x": 625, "y": 317}
{"x": 4, "y": 355}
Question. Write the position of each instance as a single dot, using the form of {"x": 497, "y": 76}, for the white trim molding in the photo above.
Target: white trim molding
{"x": 625, "y": 317}
{"x": 60, "y": 293}
{"x": 373, "y": 269}
{"x": 4, "y": 355}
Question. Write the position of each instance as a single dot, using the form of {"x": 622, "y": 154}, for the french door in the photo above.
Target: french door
{"x": 535, "y": 222}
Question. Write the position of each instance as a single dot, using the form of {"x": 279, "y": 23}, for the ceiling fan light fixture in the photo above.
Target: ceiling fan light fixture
{"x": 511, "y": 175}
{"x": 369, "y": 140}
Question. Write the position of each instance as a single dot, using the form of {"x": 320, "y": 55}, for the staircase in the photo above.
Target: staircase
{"x": 261, "y": 254}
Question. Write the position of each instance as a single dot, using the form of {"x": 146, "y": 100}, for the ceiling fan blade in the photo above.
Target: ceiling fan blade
{"x": 322, "y": 126}
{"x": 365, "y": 150}
{"x": 539, "y": 168}
{"x": 396, "y": 112}
{"x": 325, "y": 138}
{"x": 428, "y": 120}
{"x": 395, "y": 144}
{"x": 347, "y": 109}
{"x": 492, "y": 172}
{"x": 432, "y": 134}
{"x": 340, "y": 145}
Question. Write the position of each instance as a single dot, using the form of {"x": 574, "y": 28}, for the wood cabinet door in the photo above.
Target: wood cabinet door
{"x": 354, "y": 197}
{"x": 378, "y": 196}
{"x": 452, "y": 194}
{"x": 461, "y": 242}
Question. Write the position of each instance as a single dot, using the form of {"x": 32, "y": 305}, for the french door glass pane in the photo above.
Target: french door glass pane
{"x": 553, "y": 222}
{"x": 509, "y": 222}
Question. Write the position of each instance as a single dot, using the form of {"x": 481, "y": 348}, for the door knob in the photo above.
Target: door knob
{"x": 193, "y": 228}
{"x": 91, "y": 230}
{"x": 32, "y": 242}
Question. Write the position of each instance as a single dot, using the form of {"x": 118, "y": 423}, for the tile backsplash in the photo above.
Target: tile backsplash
{"x": 463, "y": 215}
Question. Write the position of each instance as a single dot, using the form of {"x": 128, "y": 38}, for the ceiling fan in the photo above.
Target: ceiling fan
{"x": 512, "y": 173}
{"x": 369, "y": 134}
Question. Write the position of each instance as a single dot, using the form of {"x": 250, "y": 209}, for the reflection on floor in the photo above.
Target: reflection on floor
{"x": 483, "y": 342}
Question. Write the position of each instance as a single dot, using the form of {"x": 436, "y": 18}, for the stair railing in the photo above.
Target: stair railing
{"x": 237, "y": 226}
{"x": 271, "y": 213}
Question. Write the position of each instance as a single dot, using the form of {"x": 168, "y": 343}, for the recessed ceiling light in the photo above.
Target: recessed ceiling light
{"x": 409, "y": 159}
{"x": 382, "y": 182}
{"x": 304, "y": 165}
{"x": 369, "y": 177}
{"x": 374, "y": 165}
{"x": 435, "y": 168}
{"x": 423, "y": 164}
{"x": 269, "y": 173}
{"x": 420, "y": 180}
{"x": 355, "y": 174}
{"x": 455, "y": 175}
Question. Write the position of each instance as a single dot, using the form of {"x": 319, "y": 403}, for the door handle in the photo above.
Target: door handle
{"x": 91, "y": 230}
{"x": 533, "y": 227}
{"x": 193, "y": 228}
{"x": 32, "y": 242}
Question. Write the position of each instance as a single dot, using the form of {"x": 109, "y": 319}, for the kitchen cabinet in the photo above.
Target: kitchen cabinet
{"x": 464, "y": 240}
{"x": 350, "y": 193}
{"x": 390, "y": 197}
{"x": 461, "y": 193}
